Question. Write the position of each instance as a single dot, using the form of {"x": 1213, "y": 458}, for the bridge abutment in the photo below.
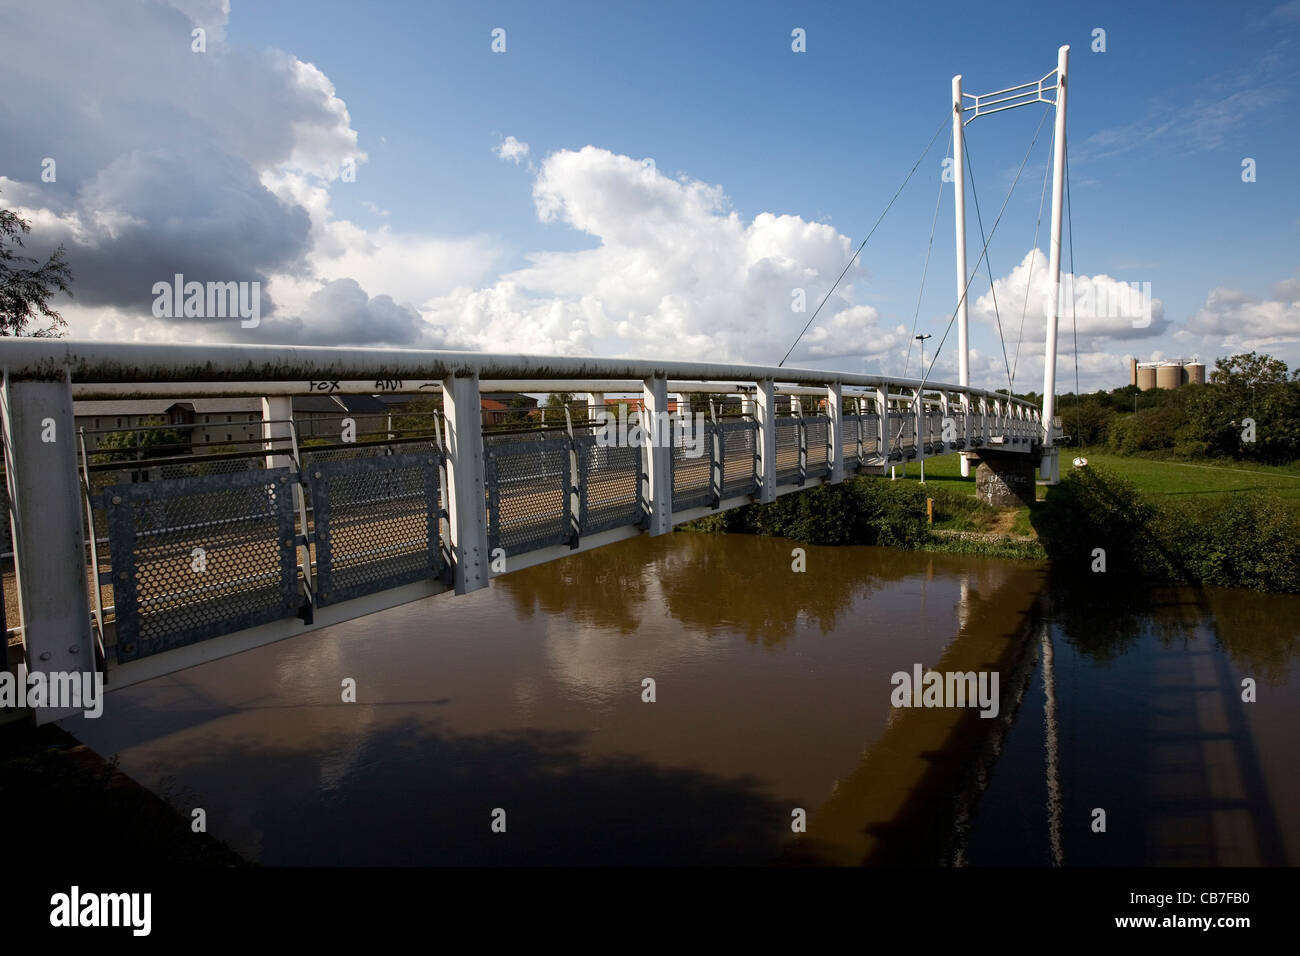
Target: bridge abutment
{"x": 1003, "y": 479}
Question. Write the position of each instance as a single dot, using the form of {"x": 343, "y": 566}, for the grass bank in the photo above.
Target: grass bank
{"x": 1156, "y": 521}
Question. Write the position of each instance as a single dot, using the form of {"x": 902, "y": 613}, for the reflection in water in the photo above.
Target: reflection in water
{"x": 1051, "y": 748}
{"x": 1146, "y": 689}
{"x": 772, "y": 694}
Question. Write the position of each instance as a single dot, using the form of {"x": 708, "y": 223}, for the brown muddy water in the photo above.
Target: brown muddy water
{"x": 772, "y": 696}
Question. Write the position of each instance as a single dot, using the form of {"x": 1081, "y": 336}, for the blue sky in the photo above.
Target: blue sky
{"x": 737, "y": 124}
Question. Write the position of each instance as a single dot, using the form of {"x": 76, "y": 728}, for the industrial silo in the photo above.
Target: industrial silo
{"x": 1146, "y": 377}
{"x": 1169, "y": 375}
{"x": 1195, "y": 373}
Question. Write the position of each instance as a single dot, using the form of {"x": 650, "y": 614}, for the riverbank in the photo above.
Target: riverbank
{"x": 67, "y": 803}
{"x": 1095, "y": 521}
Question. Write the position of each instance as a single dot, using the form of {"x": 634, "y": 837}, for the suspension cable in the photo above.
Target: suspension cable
{"x": 934, "y": 220}
{"x": 879, "y": 219}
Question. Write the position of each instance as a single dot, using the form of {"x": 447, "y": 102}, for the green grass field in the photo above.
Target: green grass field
{"x": 1154, "y": 476}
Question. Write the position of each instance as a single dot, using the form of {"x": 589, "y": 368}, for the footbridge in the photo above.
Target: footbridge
{"x": 140, "y": 551}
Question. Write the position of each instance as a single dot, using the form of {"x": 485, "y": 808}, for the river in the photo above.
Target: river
{"x": 524, "y": 706}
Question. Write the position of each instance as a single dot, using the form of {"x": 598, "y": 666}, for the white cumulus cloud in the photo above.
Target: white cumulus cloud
{"x": 512, "y": 149}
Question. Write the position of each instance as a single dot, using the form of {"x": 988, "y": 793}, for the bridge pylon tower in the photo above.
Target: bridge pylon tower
{"x": 1049, "y": 89}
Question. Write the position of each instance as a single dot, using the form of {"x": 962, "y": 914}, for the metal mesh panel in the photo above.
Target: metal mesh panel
{"x": 902, "y": 431}
{"x": 959, "y": 427}
{"x": 222, "y": 466}
{"x": 692, "y": 476}
{"x": 932, "y": 423}
{"x": 849, "y": 432}
{"x": 611, "y": 485}
{"x": 195, "y": 558}
{"x": 312, "y": 456}
{"x": 528, "y": 491}
{"x": 738, "y": 448}
{"x": 818, "y": 436}
{"x": 376, "y": 523}
{"x": 870, "y": 425}
{"x": 787, "y": 450}
{"x": 849, "y": 441}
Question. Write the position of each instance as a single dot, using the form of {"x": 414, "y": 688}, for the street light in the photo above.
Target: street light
{"x": 920, "y": 405}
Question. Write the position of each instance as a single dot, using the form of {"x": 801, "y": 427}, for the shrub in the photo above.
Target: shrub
{"x": 1095, "y": 508}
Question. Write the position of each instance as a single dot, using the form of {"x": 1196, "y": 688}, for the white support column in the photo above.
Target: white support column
{"x": 834, "y": 410}
{"x": 277, "y": 410}
{"x": 959, "y": 212}
{"x": 40, "y": 452}
{"x": 1054, "y": 264}
{"x": 595, "y": 403}
{"x": 658, "y": 454}
{"x": 466, "y": 504}
{"x": 765, "y": 414}
{"x": 683, "y": 402}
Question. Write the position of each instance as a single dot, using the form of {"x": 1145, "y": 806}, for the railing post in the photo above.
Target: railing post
{"x": 882, "y": 422}
{"x": 765, "y": 415}
{"x": 966, "y": 426}
{"x": 835, "y": 431}
{"x": 861, "y": 441}
{"x": 48, "y": 540}
{"x": 659, "y": 454}
{"x": 277, "y": 410}
{"x": 943, "y": 406}
{"x": 801, "y": 432}
{"x": 716, "y": 452}
{"x": 466, "y": 493}
{"x": 918, "y": 416}
{"x": 577, "y": 481}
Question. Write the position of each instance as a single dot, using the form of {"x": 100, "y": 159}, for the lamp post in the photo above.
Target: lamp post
{"x": 920, "y": 404}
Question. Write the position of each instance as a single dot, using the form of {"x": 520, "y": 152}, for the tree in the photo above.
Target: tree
{"x": 148, "y": 442}
{"x": 1248, "y": 388}
{"x": 24, "y": 292}
{"x": 518, "y": 410}
{"x": 1249, "y": 370}
{"x": 420, "y": 418}
{"x": 1087, "y": 421}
